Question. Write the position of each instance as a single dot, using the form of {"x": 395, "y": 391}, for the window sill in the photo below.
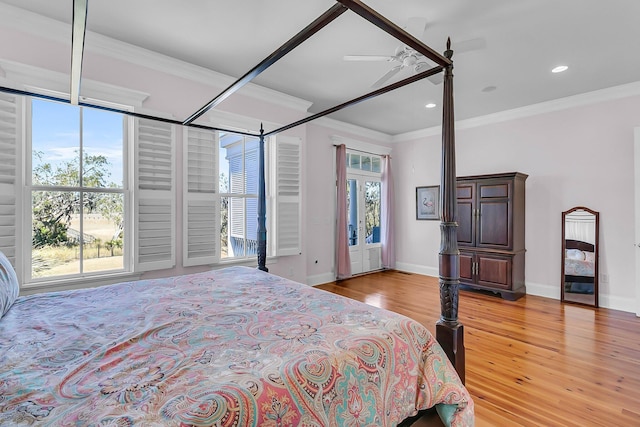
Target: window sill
{"x": 246, "y": 262}
{"x": 71, "y": 283}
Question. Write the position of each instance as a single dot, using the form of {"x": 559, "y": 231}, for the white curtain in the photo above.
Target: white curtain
{"x": 581, "y": 226}
{"x": 387, "y": 229}
{"x": 343, "y": 261}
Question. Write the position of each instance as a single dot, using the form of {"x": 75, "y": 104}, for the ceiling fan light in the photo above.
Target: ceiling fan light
{"x": 409, "y": 61}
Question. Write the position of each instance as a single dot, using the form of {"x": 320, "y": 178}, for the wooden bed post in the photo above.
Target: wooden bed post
{"x": 449, "y": 332}
{"x": 262, "y": 208}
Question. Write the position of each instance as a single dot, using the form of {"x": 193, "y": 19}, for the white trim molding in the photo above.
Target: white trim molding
{"x": 320, "y": 279}
{"x": 418, "y": 269}
{"x": 366, "y": 147}
{"x": 58, "y": 31}
{"x": 583, "y": 99}
{"x": 43, "y": 81}
{"x": 352, "y": 129}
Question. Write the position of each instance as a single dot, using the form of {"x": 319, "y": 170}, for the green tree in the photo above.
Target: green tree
{"x": 224, "y": 210}
{"x": 372, "y": 206}
{"x": 52, "y": 210}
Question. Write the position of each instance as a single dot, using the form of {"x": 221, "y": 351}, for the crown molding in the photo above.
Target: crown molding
{"x": 233, "y": 121}
{"x": 352, "y": 129}
{"x": 43, "y": 81}
{"x": 366, "y": 147}
{"x": 60, "y": 32}
{"x": 583, "y": 99}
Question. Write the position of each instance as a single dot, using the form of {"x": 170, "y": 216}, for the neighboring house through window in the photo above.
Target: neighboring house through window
{"x": 239, "y": 195}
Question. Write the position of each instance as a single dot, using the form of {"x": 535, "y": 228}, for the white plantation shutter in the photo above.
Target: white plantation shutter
{"x": 287, "y": 190}
{"x": 9, "y": 151}
{"x": 201, "y": 200}
{"x": 251, "y": 166}
{"x": 154, "y": 194}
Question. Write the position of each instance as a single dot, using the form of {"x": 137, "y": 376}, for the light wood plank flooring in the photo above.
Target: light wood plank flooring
{"x": 531, "y": 362}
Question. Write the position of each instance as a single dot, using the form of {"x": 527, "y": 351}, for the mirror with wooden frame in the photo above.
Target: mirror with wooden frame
{"x": 580, "y": 256}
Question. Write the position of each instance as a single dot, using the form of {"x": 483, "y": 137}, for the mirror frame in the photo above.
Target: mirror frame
{"x": 596, "y": 256}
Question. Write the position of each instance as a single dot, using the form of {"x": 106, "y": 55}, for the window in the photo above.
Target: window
{"x": 364, "y": 162}
{"x": 238, "y": 184}
{"x": 221, "y": 197}
{"x": 77, "y": 190}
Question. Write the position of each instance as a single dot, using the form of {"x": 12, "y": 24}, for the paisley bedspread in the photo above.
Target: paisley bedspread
{"x": 577, "y": 267}
{"x": 230, "y": 347}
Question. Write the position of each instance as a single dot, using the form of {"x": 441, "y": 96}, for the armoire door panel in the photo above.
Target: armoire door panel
{"x": 493, "y": 191}
{"x": 465, "y": 197}
{"x": 466, "y": 225}
{"x": 464, "y": 192}
{"x": 494, "y": 271}
{"x": 466, "y": 267}
{"x": 494, "y": 225}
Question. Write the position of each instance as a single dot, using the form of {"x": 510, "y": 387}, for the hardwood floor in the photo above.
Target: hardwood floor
{"x": 531, "y": 362}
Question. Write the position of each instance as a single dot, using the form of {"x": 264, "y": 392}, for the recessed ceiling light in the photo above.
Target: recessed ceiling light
{"x": 430, "y": 105}
{"x": 560, "y": 68}
{"x": 489, "y": 89}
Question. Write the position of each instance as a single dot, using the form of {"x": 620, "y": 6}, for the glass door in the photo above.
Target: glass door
{"x": 363, "y": 224}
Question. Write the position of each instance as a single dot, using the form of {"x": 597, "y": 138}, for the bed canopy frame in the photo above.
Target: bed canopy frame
{"x": 449, "y": 331}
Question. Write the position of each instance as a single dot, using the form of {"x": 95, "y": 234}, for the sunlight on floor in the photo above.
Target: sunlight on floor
{"x": 374, "y": 300}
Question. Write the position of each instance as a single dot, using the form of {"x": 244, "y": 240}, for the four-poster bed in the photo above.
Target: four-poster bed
{"x": 449, "y": 332}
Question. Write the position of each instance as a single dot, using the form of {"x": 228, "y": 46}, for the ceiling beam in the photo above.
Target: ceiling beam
{"x": 392, "y": 29}
{"x": 78, "y": 30}
{"x": 322, "y": 21}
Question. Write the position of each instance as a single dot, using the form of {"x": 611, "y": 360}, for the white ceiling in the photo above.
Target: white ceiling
{"x": 523, "y": 40}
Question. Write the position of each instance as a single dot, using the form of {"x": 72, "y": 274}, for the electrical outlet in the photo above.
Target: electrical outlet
{"x": 604, "y": 278}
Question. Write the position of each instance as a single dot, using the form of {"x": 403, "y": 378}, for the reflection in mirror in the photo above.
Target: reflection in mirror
{"x": 580, "y": 256}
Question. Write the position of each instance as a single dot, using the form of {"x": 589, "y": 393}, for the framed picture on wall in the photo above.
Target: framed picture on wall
{"x": 428, "y": 202}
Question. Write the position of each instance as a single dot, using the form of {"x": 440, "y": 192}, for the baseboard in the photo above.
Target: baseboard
{"x": 617, "y": 303}
{"x": 605, "y": 301}
{"x": 320, "y": 279}
{"x": 418, "y": 269}
{"x": 542, "y": 290}
{"x": 537, "y": 289}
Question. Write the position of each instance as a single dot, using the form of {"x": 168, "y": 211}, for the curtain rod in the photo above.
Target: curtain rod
{"x": 362, "y": 151}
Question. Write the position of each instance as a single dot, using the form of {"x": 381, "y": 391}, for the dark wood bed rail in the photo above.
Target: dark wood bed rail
{"x": 449, "y": 331}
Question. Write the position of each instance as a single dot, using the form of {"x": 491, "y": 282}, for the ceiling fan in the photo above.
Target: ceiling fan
{"x": 407, "y": 58}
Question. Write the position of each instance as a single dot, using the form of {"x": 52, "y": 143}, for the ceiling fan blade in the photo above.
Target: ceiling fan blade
{"x": 392, "y": 72}
{"x": 368, "y": 58}
{"x": 416, "y": 26}
{"x": 436, "y": 79}
{"x": 468, "y": 45}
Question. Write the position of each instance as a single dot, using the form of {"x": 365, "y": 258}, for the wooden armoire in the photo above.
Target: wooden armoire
{"x": 491, "y": 232}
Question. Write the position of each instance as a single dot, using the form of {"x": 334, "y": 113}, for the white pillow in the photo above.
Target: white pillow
{"x": 589, "y": 256}
{"x": 9, "y": 287}
{"x": 575, "y": 254}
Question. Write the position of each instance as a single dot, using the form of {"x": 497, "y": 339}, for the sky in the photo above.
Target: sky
{"x": 56, "y": 132}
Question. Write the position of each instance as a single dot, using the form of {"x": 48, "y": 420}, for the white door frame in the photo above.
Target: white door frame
{"x": 636, "y": 180}
{"x": 361, "y": 253}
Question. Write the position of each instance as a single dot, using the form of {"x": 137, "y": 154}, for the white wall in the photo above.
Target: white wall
{"x": 320, "y": 193}
{"x": 579, "y": 156}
